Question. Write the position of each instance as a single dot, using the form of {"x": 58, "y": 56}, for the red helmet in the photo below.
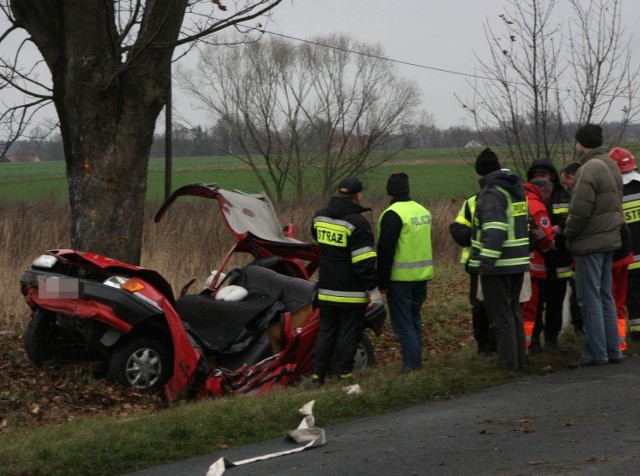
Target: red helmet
{"x": 623, "y": 158}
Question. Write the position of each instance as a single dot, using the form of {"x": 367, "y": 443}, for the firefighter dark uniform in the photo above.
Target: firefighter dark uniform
{"x": 622, "y": 258}
{"x": 347, "y": 272}
{"x": 631, "y": 209}
{"x": 500, "y": 254}
{"x": 557, "y": 260}
{"x": 460, "y": 231}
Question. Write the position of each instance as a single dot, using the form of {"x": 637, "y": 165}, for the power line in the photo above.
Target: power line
{"x": 416, "y": 65}
{"x": 384, "y": 58}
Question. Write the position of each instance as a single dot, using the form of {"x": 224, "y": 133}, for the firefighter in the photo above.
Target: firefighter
{"x": 557, "y": 259}
{"x": 460, "y": 231}
{"x": 348, "y": 279}
{"x": 538, "y": 192}
{"x": 500, "y": 254}
{"x": 631, "y": 209}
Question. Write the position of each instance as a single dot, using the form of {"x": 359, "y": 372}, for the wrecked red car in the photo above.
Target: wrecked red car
{"x": 250, "y": 328}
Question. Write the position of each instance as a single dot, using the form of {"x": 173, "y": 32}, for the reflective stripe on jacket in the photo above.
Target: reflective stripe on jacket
{"x": 347, "y": 256}
{"x": 465, "y": 218}
{"x": 500, "y": 238}
{"x": 631, "y": 209}
{"x": 413, "y": 257}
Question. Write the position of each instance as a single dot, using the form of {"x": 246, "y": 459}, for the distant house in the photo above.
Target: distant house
{"x": 15, "y": 158}
{"x": 472, "y": 143}
{"x": 351, "y": 144}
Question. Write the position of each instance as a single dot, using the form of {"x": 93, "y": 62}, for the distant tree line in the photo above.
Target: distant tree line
{"x": 217, "y": 141}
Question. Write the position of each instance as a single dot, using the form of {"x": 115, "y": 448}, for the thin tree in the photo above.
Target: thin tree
{"x": 517, "y": 106}
{"x": 305, "y": 114}
{"x": 603, "y": 79}
{"x": 546, "y": 76}
{"x": 109, "y": 62}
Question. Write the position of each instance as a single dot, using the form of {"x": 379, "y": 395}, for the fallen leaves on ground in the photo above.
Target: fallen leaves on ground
{"x": 58, "y": 392}
{"x": 61, "y": 391}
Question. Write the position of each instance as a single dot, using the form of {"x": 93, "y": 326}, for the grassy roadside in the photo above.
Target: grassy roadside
{"x": 108, "y": 446}
{"x": 103, "y": 445}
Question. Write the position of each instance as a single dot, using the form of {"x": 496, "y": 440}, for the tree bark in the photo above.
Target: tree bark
{"x": 107, "y": 101}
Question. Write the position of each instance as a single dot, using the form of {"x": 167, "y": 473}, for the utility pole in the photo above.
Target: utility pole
{"x": 167, "y": 141}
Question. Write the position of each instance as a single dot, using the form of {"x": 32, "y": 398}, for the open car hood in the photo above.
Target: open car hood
{"x": 246, "y": 215}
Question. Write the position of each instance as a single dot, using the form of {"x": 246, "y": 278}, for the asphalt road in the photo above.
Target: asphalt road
{"x": 582, "y": 421}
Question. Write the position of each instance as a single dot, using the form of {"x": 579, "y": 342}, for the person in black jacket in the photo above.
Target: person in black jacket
{"x": 557, "y": 260}
{"x": 460, "y": 231}
{"x": 348, "y": 278}
{"x": 500, "y": 254}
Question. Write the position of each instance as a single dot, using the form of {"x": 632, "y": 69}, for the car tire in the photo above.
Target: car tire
{"x": 364, "y": 357}
{"x": 141, "y": 362}
{"x": 40, "y": 336}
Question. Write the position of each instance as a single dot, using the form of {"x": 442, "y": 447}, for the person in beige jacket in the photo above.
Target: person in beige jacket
{"x": 592, "y": 232}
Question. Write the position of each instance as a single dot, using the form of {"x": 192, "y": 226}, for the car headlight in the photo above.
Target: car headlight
{"x": 115, "y": 281}
{"x": 133, "y": 286}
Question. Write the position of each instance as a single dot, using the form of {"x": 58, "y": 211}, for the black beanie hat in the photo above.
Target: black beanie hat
{"x": 589, "y": 136}
{"x": 398, "y": 184}
{"x": 487, "y": 162}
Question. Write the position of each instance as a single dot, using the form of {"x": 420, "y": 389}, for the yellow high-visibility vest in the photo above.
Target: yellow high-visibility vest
{"x": 413, "y": 259}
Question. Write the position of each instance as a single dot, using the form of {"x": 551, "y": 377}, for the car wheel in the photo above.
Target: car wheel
{"x": 365, "y": 354}
{"x": 141, "y": 362}
{"x": 40, "y": 337}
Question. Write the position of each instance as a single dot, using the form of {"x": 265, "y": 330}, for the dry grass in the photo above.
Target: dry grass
{"x": 189, "y": 242}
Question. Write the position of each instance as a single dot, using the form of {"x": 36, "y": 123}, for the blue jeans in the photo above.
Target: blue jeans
{"x": 405, "y": 302}
{"x": 593, "y": 288}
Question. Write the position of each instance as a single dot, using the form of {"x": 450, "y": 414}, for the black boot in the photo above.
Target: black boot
{"x": 551, "y": 342}
{"x": 535, "y": 347}
{"x": 317, "y": 381}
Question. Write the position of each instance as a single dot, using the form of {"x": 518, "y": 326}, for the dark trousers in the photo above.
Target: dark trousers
{"x": 633, "y": 303}
{"x": 552, "y": 293}
{"x": 502, "y": 300}
{"x": 482, "y": 332}
{"x": 574, "y": 308}
{"x": 340, "y": 332}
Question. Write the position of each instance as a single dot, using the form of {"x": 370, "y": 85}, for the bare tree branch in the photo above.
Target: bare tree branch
{"x": 312, "y": 114}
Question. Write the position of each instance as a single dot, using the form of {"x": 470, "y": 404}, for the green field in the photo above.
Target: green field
{"x": 438, "y": 173}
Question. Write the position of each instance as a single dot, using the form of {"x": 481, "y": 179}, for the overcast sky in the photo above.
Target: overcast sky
{"x": 443, "y": 35}
{"x": 437, "y": 34}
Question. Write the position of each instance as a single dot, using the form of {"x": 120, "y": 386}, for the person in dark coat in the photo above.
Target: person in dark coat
{"x": 500, "y": 254}
{"x": 348, "y": 278}
{"x": 460, "y": 231}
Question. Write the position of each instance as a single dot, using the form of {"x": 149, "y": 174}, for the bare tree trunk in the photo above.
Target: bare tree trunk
{"x": 107, "y": 110}
{"x": 102, "y": 150}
